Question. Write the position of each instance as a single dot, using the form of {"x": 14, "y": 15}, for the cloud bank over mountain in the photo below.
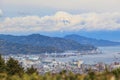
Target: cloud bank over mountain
{"x": 62, "y": 21}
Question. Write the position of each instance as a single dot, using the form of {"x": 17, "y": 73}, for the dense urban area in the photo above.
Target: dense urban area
{"x": 41, "y": 67}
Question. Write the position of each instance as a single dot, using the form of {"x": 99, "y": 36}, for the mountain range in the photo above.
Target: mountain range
{"x": 36, "y": 44}
{"x": 91, "y": 41}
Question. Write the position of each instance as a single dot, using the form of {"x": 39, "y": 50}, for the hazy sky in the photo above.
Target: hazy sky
{"x": 60, "y": 16}
{"x": 89, "y": 5}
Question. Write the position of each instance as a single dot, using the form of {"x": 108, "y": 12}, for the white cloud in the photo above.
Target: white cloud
{"x": 62, "y": 21}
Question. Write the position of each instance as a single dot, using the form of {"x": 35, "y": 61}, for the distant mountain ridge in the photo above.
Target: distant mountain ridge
{"x": 37, "y": 43}
{"x": 15, "y": 48}
{"x": 92, "y": 41}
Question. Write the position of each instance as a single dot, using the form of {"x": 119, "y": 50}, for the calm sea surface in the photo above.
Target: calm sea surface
{"x": 109, "y": 55}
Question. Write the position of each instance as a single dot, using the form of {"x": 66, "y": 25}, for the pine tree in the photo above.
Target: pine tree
{"x": 31, "y": 70}
{"x": 2, "y": 65}
{"x": 13, "y": 67}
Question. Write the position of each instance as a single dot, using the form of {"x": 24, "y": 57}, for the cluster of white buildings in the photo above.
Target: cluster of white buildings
{"x": 44, "y": 64}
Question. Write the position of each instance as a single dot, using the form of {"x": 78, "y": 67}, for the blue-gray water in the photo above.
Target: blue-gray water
{"x": 110, "y": 55}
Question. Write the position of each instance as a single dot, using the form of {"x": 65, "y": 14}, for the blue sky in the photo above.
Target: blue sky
{"x": 92, "y": 18}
